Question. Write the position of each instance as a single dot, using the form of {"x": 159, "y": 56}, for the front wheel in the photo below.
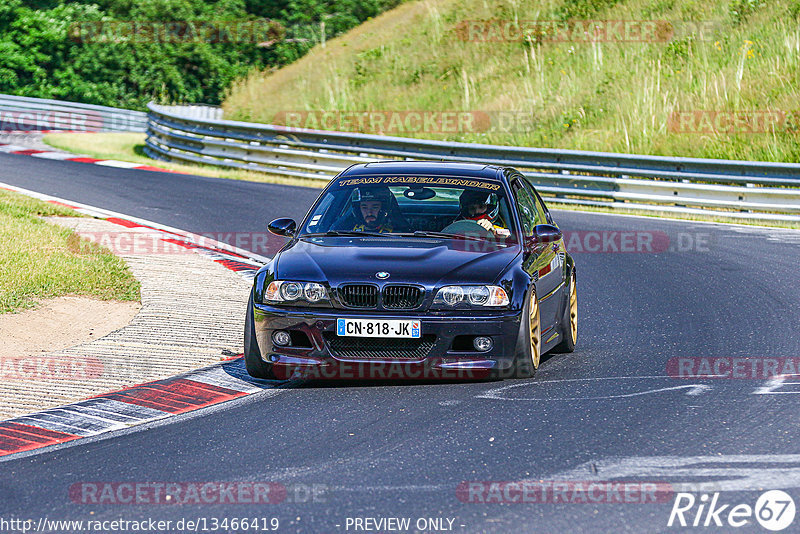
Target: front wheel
{"x": 256, "y": 367}
{"x": 569, "y": 320}
{"x": 529, "y": 346}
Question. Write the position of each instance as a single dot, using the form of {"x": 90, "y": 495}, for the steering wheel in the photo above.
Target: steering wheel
{"x": 469, "y": 228}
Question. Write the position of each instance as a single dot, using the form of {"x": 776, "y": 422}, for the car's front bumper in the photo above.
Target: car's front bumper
{"x": 317, "y": 352}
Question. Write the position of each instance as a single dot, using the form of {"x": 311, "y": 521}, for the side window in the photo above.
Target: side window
{"x": 527, "y": 209}
{"x": 322, "y": 212}
{"x": 544, "y": 215}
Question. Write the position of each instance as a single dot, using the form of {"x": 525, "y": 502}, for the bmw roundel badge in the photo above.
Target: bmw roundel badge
{"x": 382, "y": 275}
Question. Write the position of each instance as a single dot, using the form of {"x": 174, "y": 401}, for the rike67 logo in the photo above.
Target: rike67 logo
{"x": 774, "y": 510}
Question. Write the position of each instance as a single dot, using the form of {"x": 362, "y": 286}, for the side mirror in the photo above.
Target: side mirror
{"x": 542, "y": 233}
{"x": 546, "y": 233}
{"x": 283, "y": 227}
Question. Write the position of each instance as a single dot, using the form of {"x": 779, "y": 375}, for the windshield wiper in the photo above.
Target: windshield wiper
{"x": 425, "y": 233}
{"x": 418, "y": 233}
{"x": 347, "y": 233}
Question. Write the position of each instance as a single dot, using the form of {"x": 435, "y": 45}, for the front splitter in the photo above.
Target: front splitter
{"x": 448, "y": 368}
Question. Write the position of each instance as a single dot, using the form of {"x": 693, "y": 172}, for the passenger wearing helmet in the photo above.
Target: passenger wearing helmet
{"x": 371, "y": 207}
{"x": 481, "y": 207}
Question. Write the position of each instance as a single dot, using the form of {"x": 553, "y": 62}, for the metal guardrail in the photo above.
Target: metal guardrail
{"x": 196, "y": 111}
{"x": 738, "y": 189}
{"x": 18, "y": 113}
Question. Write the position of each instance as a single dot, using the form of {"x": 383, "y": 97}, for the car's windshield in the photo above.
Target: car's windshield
{"x": 435, "y": 206}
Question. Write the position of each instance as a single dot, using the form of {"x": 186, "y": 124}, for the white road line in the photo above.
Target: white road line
{"x": 118, "y": 164}
{"x": 13, "y": 148}
{"x": 738, "y": 472}
{"x": 58, "y": 155}
{"x": 694, "y": 390}
{"x": 499, "y": 393}
{"x": 772, "y": 385}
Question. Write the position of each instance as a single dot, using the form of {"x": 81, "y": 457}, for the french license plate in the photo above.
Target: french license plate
{"x": 378, "y": 327}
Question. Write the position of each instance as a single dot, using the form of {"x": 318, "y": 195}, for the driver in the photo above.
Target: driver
{"x": 371, "y": 207}
{"x": 475, "y": 206}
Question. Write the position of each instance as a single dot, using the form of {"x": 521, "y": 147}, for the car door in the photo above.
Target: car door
{"x": 541, "y": 262}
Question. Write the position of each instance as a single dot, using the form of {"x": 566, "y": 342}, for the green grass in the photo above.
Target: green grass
{"x": 608, "y": 96}
{"x": 121, "y": 146}
{"x": 130, "y": 147}
{"x": 40, "y": 260}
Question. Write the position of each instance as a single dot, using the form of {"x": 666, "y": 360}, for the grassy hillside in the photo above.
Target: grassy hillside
{"x": 610, "y": 96}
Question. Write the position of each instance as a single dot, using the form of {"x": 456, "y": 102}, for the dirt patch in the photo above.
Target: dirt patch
{"x": 61, "y": 323}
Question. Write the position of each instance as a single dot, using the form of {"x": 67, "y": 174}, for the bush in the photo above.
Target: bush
{"x": 41, "y": 54}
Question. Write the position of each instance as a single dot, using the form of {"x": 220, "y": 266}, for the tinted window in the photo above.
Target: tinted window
{"x": 541, "y": 212}
{"x": 544, "y": 214}
{"x": 528, "y": 213}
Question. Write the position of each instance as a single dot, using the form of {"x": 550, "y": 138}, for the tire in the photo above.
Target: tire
{"x": 256, "y": 367}
{"x": 569, "y": 320}
{"x": 529, "y": 345}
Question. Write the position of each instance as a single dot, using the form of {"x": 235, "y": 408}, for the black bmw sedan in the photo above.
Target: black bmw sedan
{"x": 414, "y": 270}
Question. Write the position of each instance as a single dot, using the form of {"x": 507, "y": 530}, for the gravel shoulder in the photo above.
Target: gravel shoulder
{"x": 60, "y": 323}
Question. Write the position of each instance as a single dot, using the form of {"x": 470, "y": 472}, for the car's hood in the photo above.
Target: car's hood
{"x": 410, "y": 260}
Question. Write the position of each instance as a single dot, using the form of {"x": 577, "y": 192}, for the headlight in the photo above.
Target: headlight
{"x": 289, "y": 292}
{"x": 466, "y": 296}
{"x": 314, "y": 292}
{"x": 479, "y": 295}
{"x": 452, "y": 295}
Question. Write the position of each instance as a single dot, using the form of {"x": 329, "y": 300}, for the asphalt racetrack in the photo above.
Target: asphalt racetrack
{"x": 624, "y": 407}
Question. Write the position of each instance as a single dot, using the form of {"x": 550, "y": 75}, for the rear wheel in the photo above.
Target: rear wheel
{"x": 569, "y": 321}
{"x": 529, "y": 346}
{"x": 256, "y": 367}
